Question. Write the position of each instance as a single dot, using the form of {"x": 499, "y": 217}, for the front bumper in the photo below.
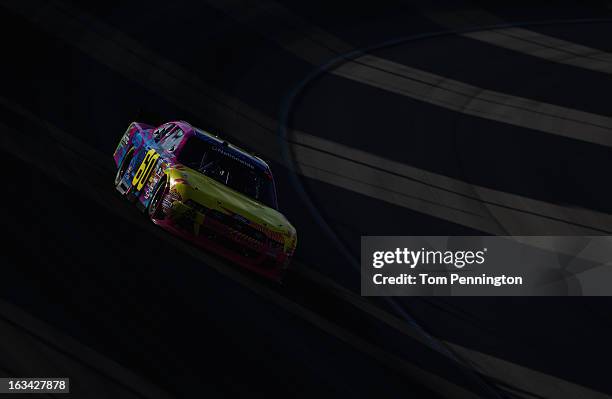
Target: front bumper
{"x": 207, "y": 232}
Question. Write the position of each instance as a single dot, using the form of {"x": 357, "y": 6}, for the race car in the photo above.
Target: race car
{"x": 210, "y": 192}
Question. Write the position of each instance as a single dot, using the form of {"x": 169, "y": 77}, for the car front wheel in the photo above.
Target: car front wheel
{"x": 155, "y": 206}
{"x": 124, "y": 165}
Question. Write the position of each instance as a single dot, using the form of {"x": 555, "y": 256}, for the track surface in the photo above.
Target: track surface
{"x": 91, "y": 266}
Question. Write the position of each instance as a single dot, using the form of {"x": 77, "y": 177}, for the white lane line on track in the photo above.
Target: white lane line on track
{"x": 128, "y": 57}
{"x": 471, "y": 100}
{"x": 524, "y": 41}
{"x": 481, "y": 208}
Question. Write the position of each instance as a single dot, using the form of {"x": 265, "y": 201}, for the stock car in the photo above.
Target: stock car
{"x": 210, "y": 192}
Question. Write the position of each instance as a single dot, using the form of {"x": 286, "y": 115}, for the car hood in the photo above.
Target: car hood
{"x": 214, "y": 195}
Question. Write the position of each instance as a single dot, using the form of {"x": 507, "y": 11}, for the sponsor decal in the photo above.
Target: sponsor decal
{"x": 233, "y": 156}
{"x": 145, "y": 169}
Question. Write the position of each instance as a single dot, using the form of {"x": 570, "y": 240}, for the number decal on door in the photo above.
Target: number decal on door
{"x": 143, "y": 172}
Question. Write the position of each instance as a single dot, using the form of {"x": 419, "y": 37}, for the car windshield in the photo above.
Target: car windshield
{"x": 225, "y": 167}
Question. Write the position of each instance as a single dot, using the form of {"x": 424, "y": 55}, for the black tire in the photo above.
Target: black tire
{"x": 154, "y": 209}
{"x": 124, "y": 165}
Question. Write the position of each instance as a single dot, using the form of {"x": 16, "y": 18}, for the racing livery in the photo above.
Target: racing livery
{"x": 208, "y": 191}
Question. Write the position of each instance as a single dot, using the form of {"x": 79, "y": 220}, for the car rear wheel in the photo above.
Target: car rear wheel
{"x": 124, "y": 165}
{"x": 155, "y": 210}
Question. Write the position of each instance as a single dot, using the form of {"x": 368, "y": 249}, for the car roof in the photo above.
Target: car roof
{"x": 229, "y": 147}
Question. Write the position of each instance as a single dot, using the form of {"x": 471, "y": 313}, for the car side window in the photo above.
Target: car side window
{"x": 172, "y": 139}
{"x": 161, "y": 131}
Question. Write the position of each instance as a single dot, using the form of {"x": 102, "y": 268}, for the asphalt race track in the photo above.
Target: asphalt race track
{"x": 394, "y": 119}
